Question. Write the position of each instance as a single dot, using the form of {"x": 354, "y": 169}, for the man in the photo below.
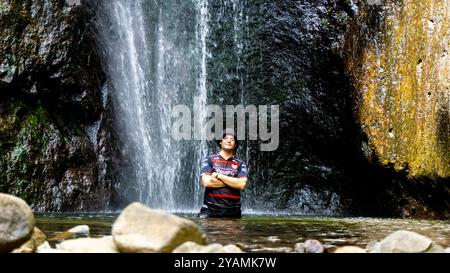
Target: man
{"x": 224, "y": 176}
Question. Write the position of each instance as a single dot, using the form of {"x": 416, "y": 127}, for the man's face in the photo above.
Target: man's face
{"x": 228, "y": 142}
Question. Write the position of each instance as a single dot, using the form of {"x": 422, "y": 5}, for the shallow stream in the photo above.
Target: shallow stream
{"x": 270, "y": 233}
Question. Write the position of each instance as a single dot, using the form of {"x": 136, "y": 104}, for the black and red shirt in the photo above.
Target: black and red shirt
{"x": 225, "y": 197}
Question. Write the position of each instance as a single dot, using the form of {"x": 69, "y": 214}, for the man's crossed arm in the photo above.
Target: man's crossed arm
{"x": 216, "y": 180}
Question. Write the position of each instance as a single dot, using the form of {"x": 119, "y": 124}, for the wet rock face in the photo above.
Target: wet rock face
{"x": 54, "y": 117}
{"x": 287, "y": 53}
{"x": 401, "y": 68}
{"x": 363, "y": 102}
{"x": 397, "y": 54}
{"x": 45, "y": 45}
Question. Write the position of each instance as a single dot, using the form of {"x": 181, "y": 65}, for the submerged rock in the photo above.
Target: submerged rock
{"x": 16, "y": 222}
{"x": 80, "y": 231}
{"x": 141, "y": 229}
{"x": 73, "y": 233}
{"x": 310, "y": 246}
{"x": 273, "y": 249}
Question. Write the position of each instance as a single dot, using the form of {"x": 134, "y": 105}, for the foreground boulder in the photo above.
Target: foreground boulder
{"x": 89, "y": 245}
{"x": 16, "y": 222}
{"x": 191, "y": 247}
{"x": 404, "y": 241}
{"x": 141, "y": 229}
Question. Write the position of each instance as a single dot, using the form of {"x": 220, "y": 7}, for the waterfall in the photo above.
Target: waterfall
{"x": 162, "y": 53}
{"x": 201, "y": 34}
{"x": 239, "y": 34}
{"x": 156, "y": 55}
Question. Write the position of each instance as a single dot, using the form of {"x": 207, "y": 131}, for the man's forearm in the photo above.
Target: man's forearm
{"x": 233, "y": 182}
{"x": 211, "y": 182}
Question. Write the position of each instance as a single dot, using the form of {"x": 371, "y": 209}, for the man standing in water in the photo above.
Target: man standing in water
{"x": 224, "y": 176}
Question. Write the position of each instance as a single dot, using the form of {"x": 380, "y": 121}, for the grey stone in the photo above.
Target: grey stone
{"x": 191, "y": 247}
{"x": 310, "y": 246}
{"x": 403, "y": 241}
{"x": 350, "y": 249}
{"x": 81, "y": 231}
{"x": 141, "y": 229}
{"x": 16, "y": 222}
{"x": 89, "y": 245}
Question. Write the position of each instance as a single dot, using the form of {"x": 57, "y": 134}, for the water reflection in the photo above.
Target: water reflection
{"x": 280, "y": 234}
{"x": 221, "y": 226}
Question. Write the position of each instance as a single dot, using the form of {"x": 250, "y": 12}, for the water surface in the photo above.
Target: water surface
{"x": 270, "y": 233}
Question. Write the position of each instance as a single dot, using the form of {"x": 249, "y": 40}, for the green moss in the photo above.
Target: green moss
{"x": 36, "y": 117}
{"x": 324, "y": 22}
{"x": 3, "y": 8}
{"x": 24, "y": 139}
{"x": 19, "y": 153}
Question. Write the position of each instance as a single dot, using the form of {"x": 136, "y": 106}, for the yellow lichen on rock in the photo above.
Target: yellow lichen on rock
{"x": 401, "y": 82}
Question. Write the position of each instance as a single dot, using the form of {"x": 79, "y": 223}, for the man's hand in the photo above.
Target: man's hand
{"x": 233, "y": 182}
{"x": 208, "y": 181}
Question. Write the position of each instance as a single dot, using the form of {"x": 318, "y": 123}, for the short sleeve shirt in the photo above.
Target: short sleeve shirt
{"x": 225, "y": 197}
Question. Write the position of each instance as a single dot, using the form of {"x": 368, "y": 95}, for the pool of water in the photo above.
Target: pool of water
{"x": 270, "y": 233}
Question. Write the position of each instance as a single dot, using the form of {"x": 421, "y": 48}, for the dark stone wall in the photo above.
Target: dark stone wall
{"x": 289, "y": 55}
{"x": 308, "y": 57}
{"x": 56, "y": 142}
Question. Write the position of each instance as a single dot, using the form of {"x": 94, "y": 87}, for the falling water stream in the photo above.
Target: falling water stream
{"x": 156, "y": 57}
